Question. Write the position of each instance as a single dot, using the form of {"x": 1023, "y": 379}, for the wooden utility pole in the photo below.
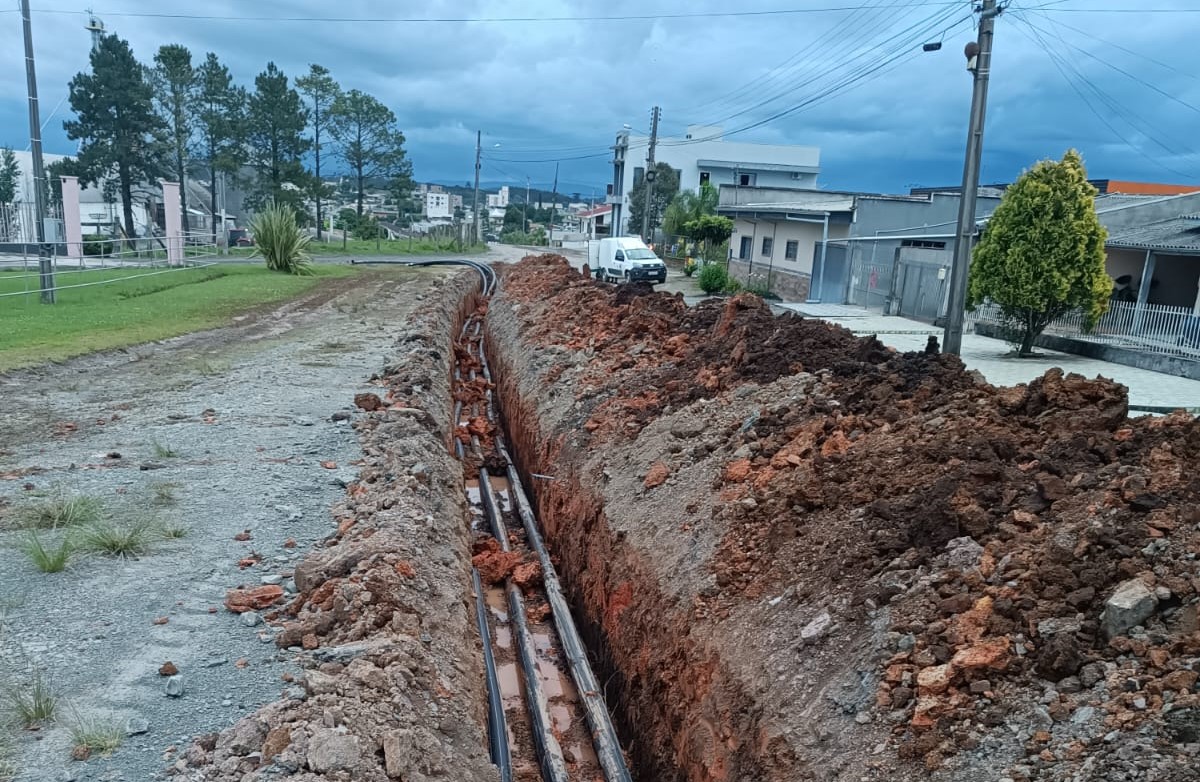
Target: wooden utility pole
{"x": 650, "y": 174}
{"x": 979, "y": 62}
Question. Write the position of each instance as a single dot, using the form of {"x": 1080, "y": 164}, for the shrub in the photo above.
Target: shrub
{"x": 279, "y": 240}
{"x": 689, "y": 267}
{"x": 733, "y": 286}
{"x": 713, "y": 278}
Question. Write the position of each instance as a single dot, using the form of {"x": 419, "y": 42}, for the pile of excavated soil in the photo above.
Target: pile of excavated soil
{"x": 805, "y": 556}
{"x": 383, "y": 624}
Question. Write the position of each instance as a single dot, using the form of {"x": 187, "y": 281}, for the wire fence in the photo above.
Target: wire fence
{"x": 143, "y": 257}
{"x": 1152, "y": 328}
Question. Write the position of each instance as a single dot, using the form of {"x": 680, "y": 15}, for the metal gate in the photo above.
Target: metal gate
{"x": 870, "y": 276}
{"x": 921, "y": 283}
{"x": 829, "y": 279}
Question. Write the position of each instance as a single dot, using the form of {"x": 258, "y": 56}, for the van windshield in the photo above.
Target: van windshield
{"x": 640, "y": 254}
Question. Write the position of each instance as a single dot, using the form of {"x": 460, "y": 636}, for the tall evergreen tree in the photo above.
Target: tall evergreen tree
{"x": 116, "y": 123}
{"x": 275, "y": 127}
{"x": 1042, "y": 254}
{"x": 10, "y": 174}
{"x": 666, "y": 185}
{"x": 174, "y": 81}
{"x": 370, "y": 142}
{"x": 220, "y": 114}
{"x": 321, "y": 92}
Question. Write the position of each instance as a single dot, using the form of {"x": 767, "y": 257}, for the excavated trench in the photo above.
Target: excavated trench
{"x": 678, "y": 714}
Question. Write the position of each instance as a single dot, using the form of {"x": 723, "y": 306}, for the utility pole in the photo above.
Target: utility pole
{"x": 649, "y": 175}
{"x": 39, "y": 170}
{"x": 979, "y": 62}
{"x": 475, "y": 208}
{"x": 553, "y": 208}
{"x": 525, "y": 210}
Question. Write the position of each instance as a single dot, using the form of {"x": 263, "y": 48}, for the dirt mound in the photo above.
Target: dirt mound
{"x": 977, "y": 582}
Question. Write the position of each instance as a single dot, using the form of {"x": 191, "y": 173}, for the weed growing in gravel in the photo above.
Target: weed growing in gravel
{"x": 47, "y": 558}
{"x": 164, "y": 492}
{"x": 208, "y": 368}
{"x": 60, "y": 510}
{"x": 116, "y": 539}
{"x": 173, "y": 530}
{"x": 101, "y": 733}
{"x": 164, "y": 451}
{"x": 34, "y": 703}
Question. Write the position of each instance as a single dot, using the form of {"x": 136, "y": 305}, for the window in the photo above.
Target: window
{"x": 704, "y": 177}
{"x": 768, "y": 245}
{"x": 929, "y": 245}
{"x": 790, "y": 250}
{"x": 746, "y": 180}
{"x": 746, "y": 248}
{"x": 638, "y": 173}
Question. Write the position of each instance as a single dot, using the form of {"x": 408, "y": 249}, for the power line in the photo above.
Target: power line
{"x": 482, "y": 19}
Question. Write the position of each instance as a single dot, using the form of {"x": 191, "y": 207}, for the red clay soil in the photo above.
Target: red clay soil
{"x": 972, "y": 536}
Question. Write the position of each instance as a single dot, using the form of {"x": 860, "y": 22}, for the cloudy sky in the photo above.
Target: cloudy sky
{"x": 1109, "y": 77}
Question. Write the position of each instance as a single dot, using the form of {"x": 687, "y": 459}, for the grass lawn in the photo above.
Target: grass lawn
{"x": 137, "y": 310}
{"x": 360, "y": 247}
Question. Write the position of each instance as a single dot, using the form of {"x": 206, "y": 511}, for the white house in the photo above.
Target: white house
{"x": 703, "y": 155}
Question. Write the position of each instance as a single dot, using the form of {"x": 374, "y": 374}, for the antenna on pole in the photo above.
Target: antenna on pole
{"x": 96, "y": 28}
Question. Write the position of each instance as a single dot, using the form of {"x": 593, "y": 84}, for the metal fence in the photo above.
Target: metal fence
{"x": 1152, "y": 328}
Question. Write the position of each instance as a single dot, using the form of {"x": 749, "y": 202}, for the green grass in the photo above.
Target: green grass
{"x": 173, "y": 530}
{"x": 118, "y": 539}
{"x": 33, "y": 703}
{"x": 164, "y": 492}
{"x": 60, "y": 510}
{"x": 96, "y": 733}
{"x": 163, "y": 451}
{"x": 395, "y": 247}
{"x": 126, "y": 313}
{"x": 44, "y": 556}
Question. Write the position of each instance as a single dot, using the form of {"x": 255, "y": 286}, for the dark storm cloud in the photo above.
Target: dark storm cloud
{"x": 567, "y": 87}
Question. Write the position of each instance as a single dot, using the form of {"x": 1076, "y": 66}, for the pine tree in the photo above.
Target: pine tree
{"x": 115, "y": 121}
{"x": 10, "y": 174}
{"x": 174, "y": 81}
{"x": 370, "y": 142}
{"x": 220, "y": 113}
{"x": 275, "y": 127}
{"x": 666, "y": 185}
{"x": 1042, "y": 254}
{"x": 321, "y": 91}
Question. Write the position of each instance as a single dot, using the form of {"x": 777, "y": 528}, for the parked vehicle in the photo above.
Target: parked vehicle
{"x": 625, "y": 259}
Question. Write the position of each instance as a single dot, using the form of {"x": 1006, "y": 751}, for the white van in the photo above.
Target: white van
{"x": 625, "y": 259}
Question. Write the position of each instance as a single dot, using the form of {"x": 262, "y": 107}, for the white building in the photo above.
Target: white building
{"x": 703, "y": 155}
{"x": 498, "y": 200}
{"x": 436, "y": 205}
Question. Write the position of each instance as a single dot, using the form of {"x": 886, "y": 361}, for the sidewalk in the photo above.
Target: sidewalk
{"x": 1147, "y": 390}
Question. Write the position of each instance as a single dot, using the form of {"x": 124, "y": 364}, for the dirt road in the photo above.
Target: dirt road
{"x": 226, "y": 435}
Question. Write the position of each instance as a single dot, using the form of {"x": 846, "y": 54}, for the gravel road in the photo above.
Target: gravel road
{"x": 229, "y": 434}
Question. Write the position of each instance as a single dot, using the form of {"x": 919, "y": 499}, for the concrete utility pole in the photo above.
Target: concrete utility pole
{"x": 525, "y": 209}
{"x": 475, "y": 208}
{"x": 39, "y": 170}
{"x": 979, "y": 62}
{"x": 649, "y": 175}
{"x": 553, "y": 208}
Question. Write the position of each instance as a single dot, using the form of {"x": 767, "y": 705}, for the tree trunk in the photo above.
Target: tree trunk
{"x": 212, "y": 191}
{"x": 359, "y": 178}
{"x": 317, "y": 150}
{"x": 179, "y": 165}
{"x": 127, "y": 204}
